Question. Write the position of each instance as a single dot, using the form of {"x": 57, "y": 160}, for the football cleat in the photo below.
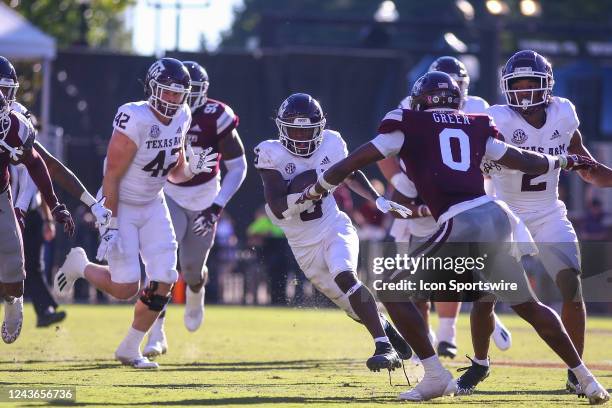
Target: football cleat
{"x": 594, "y": 391}
{"x": 133, "y": 357}
{"x": 572, "y": 385}
{"x": 13, "y": 320}
{"x": 446, "y": 349}
{"x": 385, "y": 357}
{"x": 72, "y": 269}
{"x": 501, "y": 335}
{"x": 157, "y": 344}
{"x": 431, "y": 386}
{"x": 473, "y": 375}
{"x": 194, "y": 309}
{"x": 398, "y": 342}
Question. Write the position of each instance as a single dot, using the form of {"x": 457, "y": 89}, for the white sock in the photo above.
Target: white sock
{"x": 484, "y": 362}
{"x": 159, "y": 323}
{"x": 581, "y": 372}
{"x": 432, "y": 364}
{"x": 134, "y": 338}
{"x": 447, "y": 330}
{"x": 383, "y": 339}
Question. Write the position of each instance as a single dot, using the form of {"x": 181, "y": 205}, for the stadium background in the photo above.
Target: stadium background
{"x": 358, "y": 67}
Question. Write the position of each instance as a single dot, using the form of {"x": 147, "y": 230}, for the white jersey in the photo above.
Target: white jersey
{"x": 158, "y": 150}
{"x": 524, "y": 193}
{"x": 308, "y": 227}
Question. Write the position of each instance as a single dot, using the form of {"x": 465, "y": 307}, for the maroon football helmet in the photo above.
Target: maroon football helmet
{"x": 435, "y": 90}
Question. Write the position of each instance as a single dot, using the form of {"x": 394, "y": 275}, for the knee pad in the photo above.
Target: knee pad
{"x": 154, "y": 301}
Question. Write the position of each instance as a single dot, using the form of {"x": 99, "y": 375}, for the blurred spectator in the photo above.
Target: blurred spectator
{"x": 344, "y": 199}
{"x": 369, "y": 221}
{"x": 593, "y": 226}
{"x": 222, "y": 258}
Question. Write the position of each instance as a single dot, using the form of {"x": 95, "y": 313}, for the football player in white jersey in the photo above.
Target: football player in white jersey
{"x": 534, "y": 119}
{"x": 322, "y": 237}
{"x": 146, "y": 149}
{"x": 196, "y": 205}
{"x": 418, "y": 227}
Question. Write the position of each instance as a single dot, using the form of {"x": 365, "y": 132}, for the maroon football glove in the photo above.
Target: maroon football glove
{"x": 572, "y": 162}
{"x": 62, "y": 216}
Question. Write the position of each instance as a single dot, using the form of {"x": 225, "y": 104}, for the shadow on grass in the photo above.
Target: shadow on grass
{"x": 239, "y": 366}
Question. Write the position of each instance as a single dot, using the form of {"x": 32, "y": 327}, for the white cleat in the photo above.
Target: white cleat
{"x": 13, "y": 320}
{"x": 72, "y": 269}
{"x": 501, "y": 335}
{"x": 194, "y": 309}
{"x": 594, "y": 391}
{"x": 430, "y": 387}
{"x": 133, "y": 358}
{"x": 157, "y": 344}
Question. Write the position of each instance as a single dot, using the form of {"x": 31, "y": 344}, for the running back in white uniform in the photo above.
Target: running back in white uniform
{"x": 535, "y": 199}
{"x": 144, "y": 221}
{"x": 322, "y": 238}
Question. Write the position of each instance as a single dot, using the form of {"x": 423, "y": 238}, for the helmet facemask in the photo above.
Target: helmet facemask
{"x": 198, "y": 94}
{"x": 8, "y": 87}
{"x": 5, "y": 118}
{"x": 300, "y": 145}
{"x": 538, "y": 96}
{"x": 163, "y": 97}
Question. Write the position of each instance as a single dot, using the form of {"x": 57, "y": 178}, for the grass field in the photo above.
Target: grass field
{"x": 281, "y": 357}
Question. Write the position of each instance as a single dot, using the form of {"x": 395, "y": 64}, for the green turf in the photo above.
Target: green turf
{"x": 279, "y": 357}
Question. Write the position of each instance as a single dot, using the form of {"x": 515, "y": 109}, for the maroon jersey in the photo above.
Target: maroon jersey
{"x": 19, "y": 137}
{"x": 441, "y": 154}
{"x": 210, "y": 123}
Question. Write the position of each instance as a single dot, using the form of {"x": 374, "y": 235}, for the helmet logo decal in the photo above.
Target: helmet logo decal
{"x": 156, "y": 69}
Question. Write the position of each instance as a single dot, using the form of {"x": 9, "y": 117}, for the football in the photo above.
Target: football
{"x": 301, "y": 181}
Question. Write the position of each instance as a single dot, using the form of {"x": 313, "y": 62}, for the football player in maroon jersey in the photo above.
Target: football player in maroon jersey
{"x": 16, "y": 142}
{"x": 441, "y": 149}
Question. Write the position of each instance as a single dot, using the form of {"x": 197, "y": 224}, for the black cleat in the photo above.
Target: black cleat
{"x": 384, "y": 357}
{"x": 472, "y": 376}
{"x": 398, "y": 342}
{"x": 47, "y": 319}
{"x": 572, "y": 385}
{"x": 446, "y": 349}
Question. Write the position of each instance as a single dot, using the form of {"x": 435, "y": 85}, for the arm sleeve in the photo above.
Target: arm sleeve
{"x": 495, "y": 149}
{"x": 236, "y": 172}
{"x": 389, "y": 143}
{"x": 404, "y": 185}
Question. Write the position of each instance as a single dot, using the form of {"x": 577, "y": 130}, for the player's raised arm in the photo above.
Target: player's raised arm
{"x": 600, "y": 176}
{"x": 534, "y": 163}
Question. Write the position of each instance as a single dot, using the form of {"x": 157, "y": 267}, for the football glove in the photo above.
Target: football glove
{"x": 101, "y": 213}
{"x": 386, "y": 206}
{"x": 572, "y": 162}
{"x": 203, "y": 162}
{"x": 62, "y": 216}
{"x": 108, "y": 240}
{"x": 206, "y": 220}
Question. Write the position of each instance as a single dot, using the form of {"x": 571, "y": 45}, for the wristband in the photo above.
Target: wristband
{"x": 327, "y": 186}
{"x": 88, "y": 199}
{"x": 562, "y": 161}
{"x": 114, "y": 223}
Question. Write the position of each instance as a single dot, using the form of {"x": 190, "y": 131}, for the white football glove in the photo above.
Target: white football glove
{"x": 103, "y": 215}
{"x": 108, "y": 240}
{"x": 203, "y": 162}
{"x": 386, "y": 206}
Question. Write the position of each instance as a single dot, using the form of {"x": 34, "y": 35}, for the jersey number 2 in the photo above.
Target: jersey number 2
{"x": 464, "y": 149}
{"x": 527, "y": 186}
{"x": 157, "y": 164}
{"x": 313, "y": 212}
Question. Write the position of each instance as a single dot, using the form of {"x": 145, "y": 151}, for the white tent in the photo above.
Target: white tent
{"x": 20, "y": 40}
